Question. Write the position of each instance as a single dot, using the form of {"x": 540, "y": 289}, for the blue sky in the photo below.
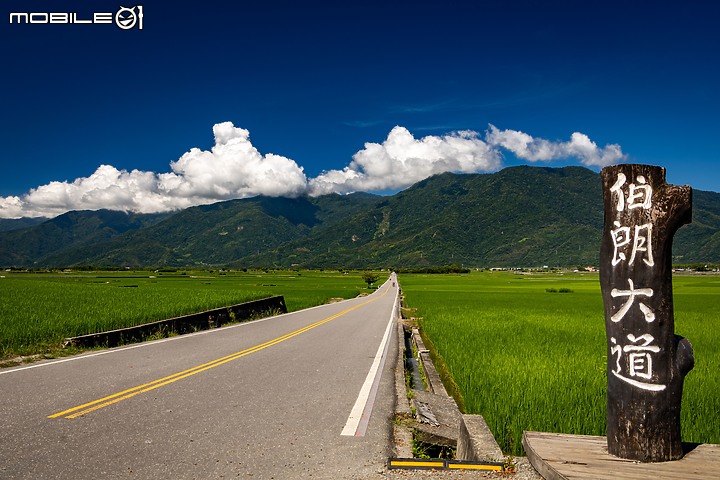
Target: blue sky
{"x": 306, "y": 86}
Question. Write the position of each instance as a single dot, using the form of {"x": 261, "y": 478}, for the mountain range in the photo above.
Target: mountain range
{"x": 518, "y": 217}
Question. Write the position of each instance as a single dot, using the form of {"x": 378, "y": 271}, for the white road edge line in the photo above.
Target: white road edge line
{"x": 366, "y": 397}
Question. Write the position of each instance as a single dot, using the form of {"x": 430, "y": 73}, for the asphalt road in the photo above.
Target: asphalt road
{"x": 274, "y": 398}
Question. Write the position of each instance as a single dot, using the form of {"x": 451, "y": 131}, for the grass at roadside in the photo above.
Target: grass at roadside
{"x": 528, "y": 352}
{"x": 39, "y": 310}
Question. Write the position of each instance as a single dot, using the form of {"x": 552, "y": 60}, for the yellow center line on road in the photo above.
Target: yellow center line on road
{"x": 161, "y": 382}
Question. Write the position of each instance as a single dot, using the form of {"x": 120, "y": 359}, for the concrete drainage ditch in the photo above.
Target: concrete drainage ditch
{"x": 429, "y": 426}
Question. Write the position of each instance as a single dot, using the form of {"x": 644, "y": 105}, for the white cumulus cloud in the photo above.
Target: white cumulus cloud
{"x": 234, "y": 168}
{"x": 533, "y": 149}
{"x": 107, "y": 187}
{"x": 402, "y": 160}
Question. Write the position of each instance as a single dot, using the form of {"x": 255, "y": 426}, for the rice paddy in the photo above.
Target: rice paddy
{"x": 528, "y": 352}
{"x": 39, "y": 310}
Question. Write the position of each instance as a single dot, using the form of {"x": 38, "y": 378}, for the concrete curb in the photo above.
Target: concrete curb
{"x": 402, "y": 436}
{"x": 476, "y": 442}
{"x": 470, "y": 433}
{"x": 435, "y": 385}
{"x": 183, "y": 324}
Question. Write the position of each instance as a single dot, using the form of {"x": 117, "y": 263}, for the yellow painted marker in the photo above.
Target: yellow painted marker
{"x": 440, "y": 464}
{"x": 411, "y": 463}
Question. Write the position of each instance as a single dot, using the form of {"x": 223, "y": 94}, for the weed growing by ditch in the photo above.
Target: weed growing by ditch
{"x": 421, "y": 449}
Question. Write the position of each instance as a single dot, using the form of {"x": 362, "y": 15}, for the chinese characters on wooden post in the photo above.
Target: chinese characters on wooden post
{"x": 647, "y": 362}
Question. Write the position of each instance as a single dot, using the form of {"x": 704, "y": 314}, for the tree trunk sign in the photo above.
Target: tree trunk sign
{"x": 647, "y": 362}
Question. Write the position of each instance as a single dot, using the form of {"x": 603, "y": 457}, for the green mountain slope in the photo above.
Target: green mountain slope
{"x": 78, "y": 230}
{"x": 216, "y": 234}
{"x": 520, "y": 216}
{"x": 9, "y": 224}
{"x": 700, "y": 241}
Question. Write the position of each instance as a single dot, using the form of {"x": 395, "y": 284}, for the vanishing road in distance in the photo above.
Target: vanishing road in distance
{"x": 286, "y": 397}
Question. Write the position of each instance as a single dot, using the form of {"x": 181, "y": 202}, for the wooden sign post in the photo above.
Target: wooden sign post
{"x": 647, "y": 362}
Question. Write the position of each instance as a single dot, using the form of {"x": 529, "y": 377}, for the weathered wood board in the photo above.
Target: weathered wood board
{"x": 558, "y": 456}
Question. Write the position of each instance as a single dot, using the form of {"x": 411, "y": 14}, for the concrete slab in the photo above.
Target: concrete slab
{"x": 476, "y": 442}
{"x": 446, "y": 414}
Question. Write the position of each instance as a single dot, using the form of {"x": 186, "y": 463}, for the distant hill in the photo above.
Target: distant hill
{"x": 8, "y": 224}
{"x": 80, "y": 230}
{"x": 520, "y": 216}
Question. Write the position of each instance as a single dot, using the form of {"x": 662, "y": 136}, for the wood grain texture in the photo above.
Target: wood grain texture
{"x": 566, "y": 457}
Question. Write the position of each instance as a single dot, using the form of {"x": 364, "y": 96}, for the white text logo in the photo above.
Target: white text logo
{"x": 125, "y": 18}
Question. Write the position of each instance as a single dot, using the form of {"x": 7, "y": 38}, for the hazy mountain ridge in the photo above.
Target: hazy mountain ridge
{"x": 10, "y": 224}
{"x": 520, "y": 216}
{"x": 73, "y": 230}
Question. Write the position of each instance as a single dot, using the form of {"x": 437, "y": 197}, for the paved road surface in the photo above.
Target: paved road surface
{"x": 275, "y": 398}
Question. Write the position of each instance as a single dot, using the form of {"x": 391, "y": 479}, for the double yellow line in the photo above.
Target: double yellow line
{"x": 161, "y": 382}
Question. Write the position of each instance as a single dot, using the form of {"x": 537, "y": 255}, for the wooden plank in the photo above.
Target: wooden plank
{"x": 544, "y": 468}
{"x": 567, "y": 457}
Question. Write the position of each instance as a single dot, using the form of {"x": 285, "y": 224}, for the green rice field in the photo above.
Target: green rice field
{"x": 39, "y": 310}
{"x": 528, "y": 351}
